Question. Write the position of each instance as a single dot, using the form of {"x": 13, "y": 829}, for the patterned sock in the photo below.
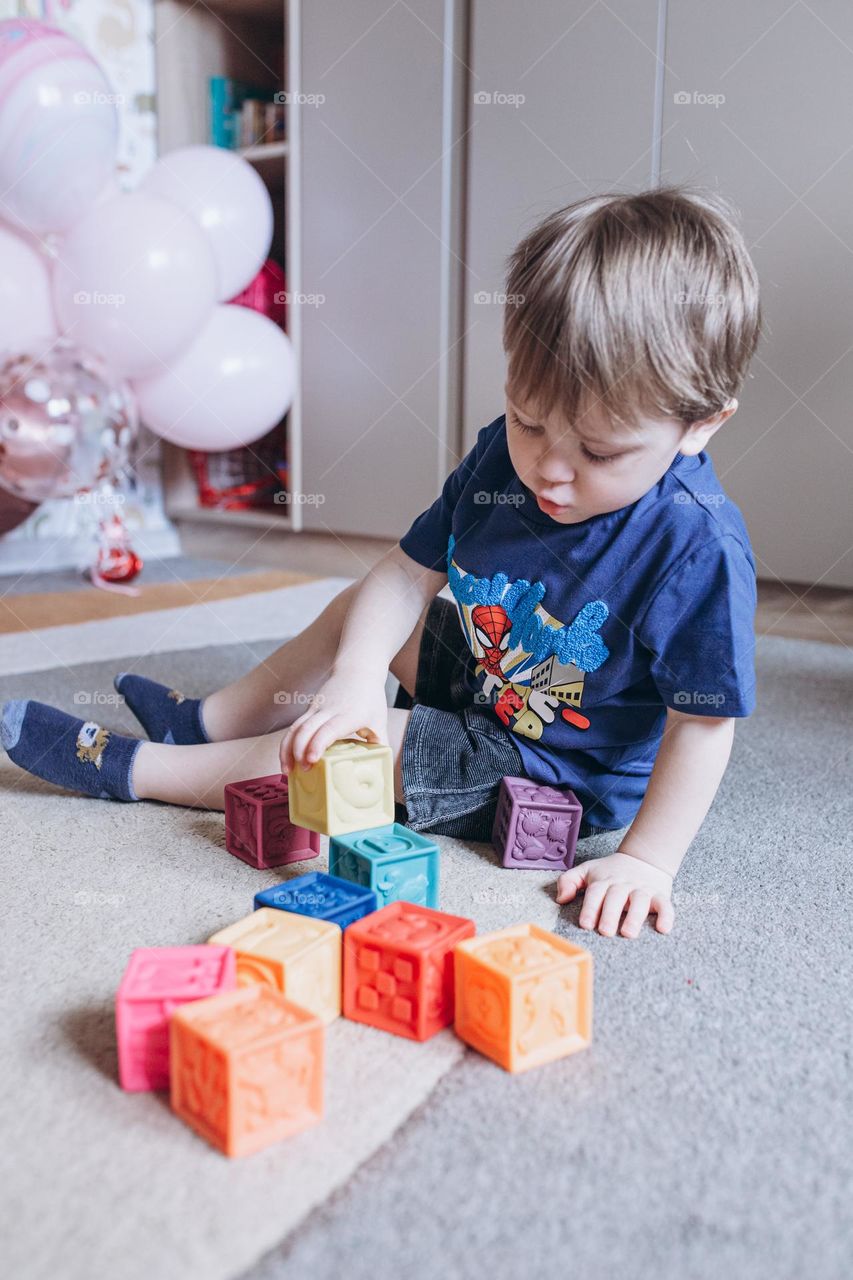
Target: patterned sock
{"x": 72, "y": 753}
{"x": 165, "y": 714}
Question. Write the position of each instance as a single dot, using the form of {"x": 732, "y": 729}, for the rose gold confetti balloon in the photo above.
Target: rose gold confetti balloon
{"x": 67, "y": 421}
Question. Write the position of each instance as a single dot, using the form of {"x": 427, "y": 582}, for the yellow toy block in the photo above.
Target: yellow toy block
{"x": 523, "y": 996}
{"x": 351, "y": 787}
{"x": 299, "y": 956}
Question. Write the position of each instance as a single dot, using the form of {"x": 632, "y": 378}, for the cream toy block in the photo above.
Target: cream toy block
{"x": 523, "y": 996}
{"x": 351, "y": 787}
{"x": 297, "y": 955}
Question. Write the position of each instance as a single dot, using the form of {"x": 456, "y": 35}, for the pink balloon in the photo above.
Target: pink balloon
{"x": 26, "y": 310}
{"x": 135, "y": 280}
{"x": 231, "y": 386}
{"x": 58, "y": 126}
{"x": 228, "y": 200}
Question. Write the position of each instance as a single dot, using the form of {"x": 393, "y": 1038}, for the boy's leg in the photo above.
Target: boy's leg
{"x": 275, "y": 692}
{"x": 196, "y": 775}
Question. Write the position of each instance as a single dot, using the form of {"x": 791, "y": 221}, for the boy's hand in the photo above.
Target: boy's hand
{"x": 611, "y": 884}
{"x": 343, "y": 706}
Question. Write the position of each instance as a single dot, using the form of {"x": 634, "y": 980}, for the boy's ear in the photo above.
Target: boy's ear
{"x": 698, "y": 434}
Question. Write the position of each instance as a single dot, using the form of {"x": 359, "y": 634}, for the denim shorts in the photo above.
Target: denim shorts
{"x": 454, "y": 753}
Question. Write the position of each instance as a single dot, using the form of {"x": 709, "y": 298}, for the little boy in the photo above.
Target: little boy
{"x": 604, "y": 583}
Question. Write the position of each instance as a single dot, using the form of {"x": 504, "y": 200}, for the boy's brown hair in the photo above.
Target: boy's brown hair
{"x": 647, "y": 303}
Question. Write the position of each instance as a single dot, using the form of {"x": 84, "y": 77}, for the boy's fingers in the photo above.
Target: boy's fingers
{"x": 324, "y": 735}
{"x": 303, "y": 736}
{"x": 593, "y": 898}
{"x": 665, "y": 913}
{"x": 612, "y": 908}
{"x": 636, "y": 913}
{"x": 569, "y": 883}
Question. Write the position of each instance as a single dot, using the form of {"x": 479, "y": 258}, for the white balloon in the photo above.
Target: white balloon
{"x": 230, "y": 203}
{"x": 230, "y": 387}
{"x": 134, "y": 280}
{"x": 26, "y": 310}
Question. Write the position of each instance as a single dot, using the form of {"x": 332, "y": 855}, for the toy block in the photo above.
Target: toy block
{"x": 523, "y": 996}
{"x": 247, "y": 1068}
{"x": 324, "y": 897}
{"x": 350, "y": 788}
{"x": 293, "y": 954}
{"x": 258, "y": 827}
{"x": 536, "y": 826}
{"x": 399, "y": 865}
{"x": 156, "y": 981}
{"x": 398, "y": 969}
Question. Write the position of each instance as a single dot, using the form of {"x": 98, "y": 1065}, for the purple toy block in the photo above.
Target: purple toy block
{"x": 258, "y": 827}
{"x": 536, "y": 826}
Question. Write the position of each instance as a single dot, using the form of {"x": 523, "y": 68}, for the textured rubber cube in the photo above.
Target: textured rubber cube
{"x": 156, "y": 981}
{"x": 247, "y": 1068}
{"x": 399, "y": 865}
{"x": 398, "y": 969}
{"x": 349, "y": 788}
{"x": 523, "y": 996}
{"x": 258, "y": 828}
{"x": 536, "y": 826}
{"x": 293, "y": 954}
{"x": 321, "y": 896}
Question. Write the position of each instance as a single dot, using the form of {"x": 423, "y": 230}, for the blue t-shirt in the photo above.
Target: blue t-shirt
{"x": 583, "y": 634}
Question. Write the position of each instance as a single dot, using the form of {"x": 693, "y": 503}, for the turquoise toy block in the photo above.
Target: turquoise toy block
{"x": 399, "y": 865}
{"x": 324, "y": 897}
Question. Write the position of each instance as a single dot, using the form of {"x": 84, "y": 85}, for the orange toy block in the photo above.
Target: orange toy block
{"x": 350, "y": 788}
{"x": 297, "y": 955}
{"x": 246, "y": 1068}
{"x": 523, "y": 996}
{"x": 398, "y": 968}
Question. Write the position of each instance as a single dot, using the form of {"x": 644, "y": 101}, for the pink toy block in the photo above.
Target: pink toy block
{"x": 536, "y": 826}
{"x": 258, "y": 827}
{"x": 157, "y": 981}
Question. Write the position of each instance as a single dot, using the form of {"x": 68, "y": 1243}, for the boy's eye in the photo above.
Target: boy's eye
{"x": 525, "y": 426}
{"x": 598, "y": 457}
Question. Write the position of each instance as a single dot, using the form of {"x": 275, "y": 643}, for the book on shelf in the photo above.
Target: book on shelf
{"x": 244, "y": 114}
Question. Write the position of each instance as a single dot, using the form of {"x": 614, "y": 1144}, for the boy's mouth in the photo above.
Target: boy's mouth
{"x": 551, "y": 508}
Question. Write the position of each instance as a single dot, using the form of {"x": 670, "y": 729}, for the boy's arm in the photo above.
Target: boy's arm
{"x": 383, "y": 613}
{"x": 689, "y": 767}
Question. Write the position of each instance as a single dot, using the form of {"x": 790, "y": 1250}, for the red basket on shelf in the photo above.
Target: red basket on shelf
{"x": 250, "y": 476}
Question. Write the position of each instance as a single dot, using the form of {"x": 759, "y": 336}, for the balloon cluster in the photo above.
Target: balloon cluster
{"x": 119, "y": 306}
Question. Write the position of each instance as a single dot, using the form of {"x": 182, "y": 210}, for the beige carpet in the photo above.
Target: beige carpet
{"x": 707, "y": 1130}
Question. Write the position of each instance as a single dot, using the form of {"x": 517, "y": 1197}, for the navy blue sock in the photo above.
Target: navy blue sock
{"x": 72, "y": 753}
{"x": 166, "y": 715}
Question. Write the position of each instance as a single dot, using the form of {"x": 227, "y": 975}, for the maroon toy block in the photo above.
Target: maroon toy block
{"x": 258, "y": 827}
{"x": 536, "y": 826}
{"x": 399, "y": 970}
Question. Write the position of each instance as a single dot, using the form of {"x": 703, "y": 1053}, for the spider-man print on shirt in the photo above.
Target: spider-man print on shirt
{"x": 533, "y": 667}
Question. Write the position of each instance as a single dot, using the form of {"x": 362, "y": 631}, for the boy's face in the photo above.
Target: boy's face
{"x": 588, "y": 467}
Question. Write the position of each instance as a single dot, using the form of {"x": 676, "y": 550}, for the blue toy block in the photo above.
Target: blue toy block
{"x": 324, "y": 897}
{"x": 399, "y": 865}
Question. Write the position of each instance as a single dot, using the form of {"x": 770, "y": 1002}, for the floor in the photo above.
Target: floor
{"x": 705, "y": 1131}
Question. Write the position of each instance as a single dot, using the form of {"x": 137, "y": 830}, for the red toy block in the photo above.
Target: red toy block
{"x": 398, "y": 969}
{"x": 156, "y": 981}
{"x": 258, "y": 827}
